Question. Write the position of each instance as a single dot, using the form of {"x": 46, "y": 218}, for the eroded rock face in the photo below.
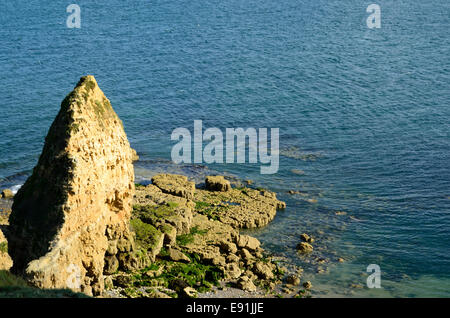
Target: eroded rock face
{"x": 77, "y": 203}
{"x": 5, "y": 260}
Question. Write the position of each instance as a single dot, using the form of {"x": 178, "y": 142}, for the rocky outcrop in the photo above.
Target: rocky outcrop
{"x": 174, "y": 184}
{"x": 5, "y": 260}
{"x": 239, "y": 207}
{"x": 306, "y": 238}
{"x": 76, "y": 205}
{"x": 304, "y": 247}
{"x": 191, "y": 249}
{"x": 6, "y": 194}
{"x": 134, "y": 155}
{"x": 217, "y": 183}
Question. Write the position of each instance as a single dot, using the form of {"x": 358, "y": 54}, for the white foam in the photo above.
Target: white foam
{"x": 16, "y": 188}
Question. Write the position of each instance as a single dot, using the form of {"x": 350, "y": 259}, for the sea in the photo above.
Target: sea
{"x": 363, "y": 115}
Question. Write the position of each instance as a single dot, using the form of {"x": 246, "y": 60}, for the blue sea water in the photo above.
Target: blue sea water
{"x": 363, "y": 114}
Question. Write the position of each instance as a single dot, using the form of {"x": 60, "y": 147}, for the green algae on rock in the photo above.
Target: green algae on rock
{"x": 240, "y": 208}
{"x": 204, "y": 251}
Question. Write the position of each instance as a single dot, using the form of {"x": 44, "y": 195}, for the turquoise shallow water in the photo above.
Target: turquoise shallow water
{"x": 363, "y": 114}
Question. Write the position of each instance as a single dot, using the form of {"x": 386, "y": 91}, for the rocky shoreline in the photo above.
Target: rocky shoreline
{"x": 192, "y": 247}
{"x": 80, "y": 226}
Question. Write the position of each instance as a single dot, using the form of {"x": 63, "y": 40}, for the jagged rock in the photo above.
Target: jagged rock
{"x": 174, "y": 184}
{"x": 77, "y": 198}
{"x": 178, "y": 285}
{"x": 111, "y": 265}
{"x": 189, "y": 292}
{"x": 170, "y": 234}
{"x": 228, "y": 247}
{"x": 5, "y": 260}
{"x": 263, "y": 270}
{"x": 307, "y": 285}
{"x": 304, "y": 247}
{"x": 293, "y": 280}
{"x": 246, "y": 255}
{"x": 246, "y": 284}
{"x": 232, "y": 271}
{"x": 134, "y": 155}
{"x": 217, "y": 183}
{"x": 7, "y": 194}
{"x": 232, "y": 258}
{"x": 112, "y": 247}
{"x": 109, "y": 284}
{"x": 249, "y": 242}
{"x": 177, "y": 256}
{"x": 306, "y": 238}
{"x": 122, "y": 280}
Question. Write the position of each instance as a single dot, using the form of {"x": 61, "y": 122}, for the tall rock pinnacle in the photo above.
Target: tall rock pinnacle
{"x": 77, "y": 202}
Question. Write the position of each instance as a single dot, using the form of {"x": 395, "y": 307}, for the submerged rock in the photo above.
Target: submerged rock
{"x": 307, "y": 285}
{"x": 293, "y": 280}
{"x": 77, "y": 199}
{"x": 306, "y": 238}
{"x": 304, "y": 247}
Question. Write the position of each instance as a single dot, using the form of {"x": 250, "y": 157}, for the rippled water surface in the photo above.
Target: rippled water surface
{"x": 363, "y": 114}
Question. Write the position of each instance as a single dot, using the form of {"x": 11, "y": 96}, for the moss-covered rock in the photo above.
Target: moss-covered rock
{"x": 148, "y": 238}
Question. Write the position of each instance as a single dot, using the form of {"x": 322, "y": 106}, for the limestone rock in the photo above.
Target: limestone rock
{"x": 293, "y": 280}
{"x": 249, "y": 242}
{"x": 304, "y": 247}
{"x": 134, "y": 155}
{"x": 246, "y": 284}
{"x": 228, "y": 247}
{"x": 217, "y": 183}
{"x": 177, "y": 256}
{"x": 306, "y": 238}
{"x": 177, "y": 185}
{"x": 246, "y": 255}
{"x": 264, "y": 271}
{"x": 149, "y": 240}
{"x": 232, "y": 271}
{"x": 111, "y": 265}
{"x": 239, "y": 207}
{"x": 7, "y": 194}
{"x": 189, "y": 292}
{"x": 307, "y": 285}
{"x": 5, "y": 260}
{"x": 77, "y": 198}
{"x": 170, "y": 214}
